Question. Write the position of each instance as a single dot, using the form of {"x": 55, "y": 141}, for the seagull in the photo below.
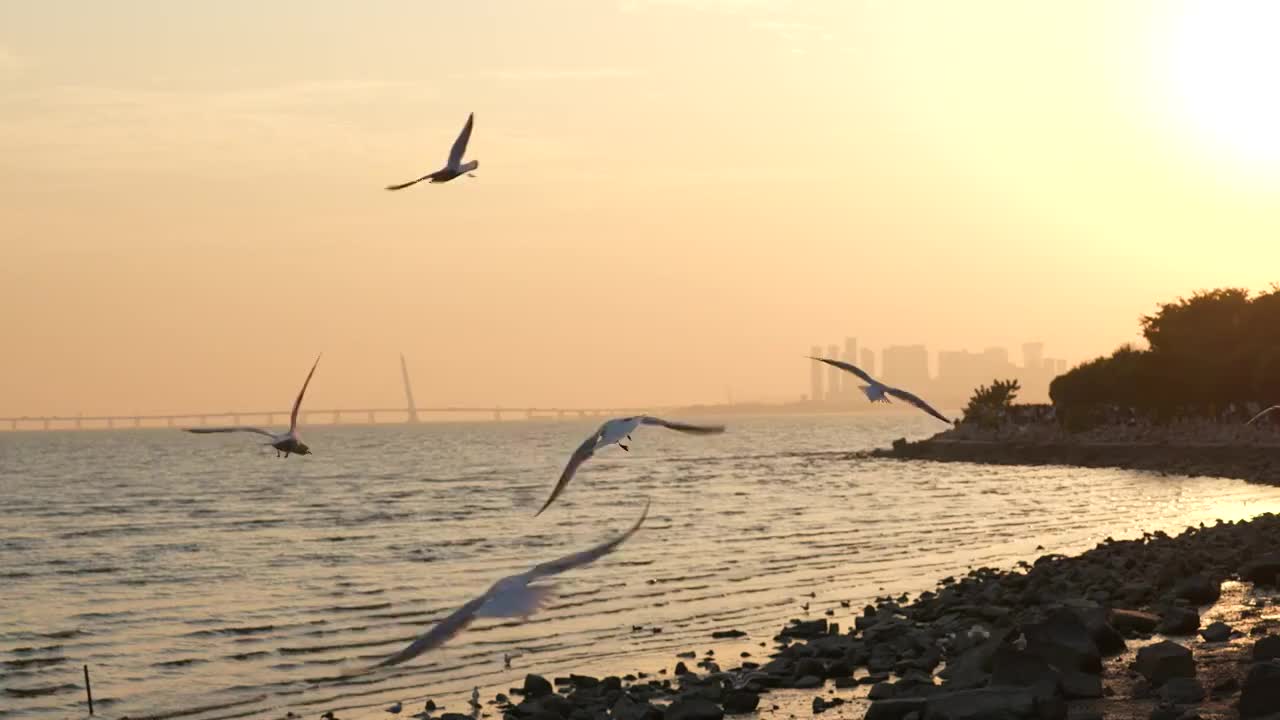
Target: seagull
{"x": 615, "y": 431}
{"x": 1268, "y": 411}
{"x": 286, "y": 442}
{"x": 512, "y": 596}
{"x": 454, "y": 167}
{"x": 876, "y": 390}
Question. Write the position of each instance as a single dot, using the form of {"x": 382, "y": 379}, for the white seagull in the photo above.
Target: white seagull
{"x": 876, "y": 390}
{"x": 614, "y": 431}
{"x": 286, "y": 442}
{"x": 512, "y": 596}
{"x": 454, "y": 167}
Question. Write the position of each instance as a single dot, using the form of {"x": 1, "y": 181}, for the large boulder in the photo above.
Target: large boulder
{"x": 694, "y": 708}
{"x": 1262, "y": 571}
{"x": 740, "y": 701}
{"x": 1065, "y": 642}
{"x": 1267, "y": 648}
{"x": 536, "y": 686}
{"x": 1164, "y": 661}
{"x": 895, "y": 709}
{"x": 1182, "y": 691}
{"x": 983, "y": 704}
{"x": 1179, "y": 621}
{"x": 1216, "y": 632}
{"x": 1198, "y": 589}
{"x": 1134, "y": 621}
{"x": 1105, "y": 636}
{"x": 1261, "y": 693}
{"x": 1011, "y": 667}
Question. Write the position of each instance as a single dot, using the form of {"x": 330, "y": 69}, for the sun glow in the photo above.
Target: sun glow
{"x": 1225, "y": 59}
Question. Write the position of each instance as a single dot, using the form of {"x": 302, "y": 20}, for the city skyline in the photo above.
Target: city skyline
{"x": 950, "y": 377}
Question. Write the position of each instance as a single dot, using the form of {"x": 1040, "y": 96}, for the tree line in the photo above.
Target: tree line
{"x": 1205, "y": 353}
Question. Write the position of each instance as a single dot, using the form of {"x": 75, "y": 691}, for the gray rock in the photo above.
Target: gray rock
{"x": 1107, "y": 638}
{"x": 557, "y": 705}
{"x": 1011, "y": 667}
{"x": 1179, "y": 621}
{"x": 536, "y": 686}
{"x": 1216, "y": 632}
{"x": 1266, "y": 648}
{"x": 1064, "y": 641}
{"x": 806, "y": 628}
{"x": 1134, "y": 621}
{"x": 1262, "y": 571}
{"x": 1198, "y": 590}
{"x": 740, "y": 701}
{"x": 1163, "y": 661}
{"x": 721, "y": 634}
{"x": 984, "y": 704}
{"x": 895, "y": 709}
{"x": 1261, "y": 692}
{"x": 806, "y": 682}
{"x": 1078, "y": 685}
{"x": 1181, "y": 691}
{"x": 882, "y": 691}
{"x": 693, "y": 709}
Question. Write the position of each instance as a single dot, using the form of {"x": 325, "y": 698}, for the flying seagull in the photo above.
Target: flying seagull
{"x": 286, "y": 442}
{"x": 454, "y": 167}
{"x": 1260, "y": 415}
{"x": 512, "y": 596}
{"x": 876, "y": 390}
{"x": 615, "y": 431}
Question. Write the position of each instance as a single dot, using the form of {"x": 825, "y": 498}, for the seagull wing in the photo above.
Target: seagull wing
{"x": 581, "y": 455}
{"x": 509, "y": 597}
{"x": 847, "y": 367}
{"x": 460, "y": 145}
{"x": 682, "y": 427}
{"x": 915, "y": 400}
{"x": 235, "y": 428}
{"x": 402, "y": 186}
{"x": 440, "y": 633}
{"x": 293, "y": 416}
{"x": 569, "y": 562}
{"x": 1268, "y": 411}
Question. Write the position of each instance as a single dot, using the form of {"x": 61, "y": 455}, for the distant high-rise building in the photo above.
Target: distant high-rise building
{"x": 1033, "y": 355}
{"x": 905, "y": 365}
{"x": 868, "y": 364}
{"x": 997, "y": 356}
{"x": 833, "y": 374}
{"x": 1062, "y": 366}
{"x": 848, "y": 383}
{"x": 815, "y": 375}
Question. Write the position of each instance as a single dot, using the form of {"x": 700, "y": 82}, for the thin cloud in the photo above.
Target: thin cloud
{"x": 551, "y": 74}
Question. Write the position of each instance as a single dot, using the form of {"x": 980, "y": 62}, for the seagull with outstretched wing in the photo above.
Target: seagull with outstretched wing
{"x": 614, "y": 432}
{"x": 285, "y": 442}
{"x": 454, "y": 167}
{"x": 512, "y": 596}
{"x": 877, "y": 391}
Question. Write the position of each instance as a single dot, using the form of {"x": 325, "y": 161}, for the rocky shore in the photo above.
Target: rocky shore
{"x": 1161, "y": 627}
{"x": 1253, "y": 463}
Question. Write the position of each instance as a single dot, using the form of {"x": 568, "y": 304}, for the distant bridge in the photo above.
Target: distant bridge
{"x": 280, "y": 418}
{"x": 410, "y": 413}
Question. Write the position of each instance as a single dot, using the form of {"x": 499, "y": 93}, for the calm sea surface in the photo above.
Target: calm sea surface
{"x": 202, "y": 577}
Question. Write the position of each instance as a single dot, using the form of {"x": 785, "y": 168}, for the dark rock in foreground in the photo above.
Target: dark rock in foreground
{"x": 1261, "y": 693}
{"x": 1164, "y": 661}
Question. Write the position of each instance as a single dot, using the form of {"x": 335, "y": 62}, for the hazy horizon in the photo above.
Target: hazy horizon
{"x": 675, "y": 198}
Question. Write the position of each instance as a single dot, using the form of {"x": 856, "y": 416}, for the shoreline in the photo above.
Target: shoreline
{"x": 1254, "y": 463}
{"x": 1158, "y": 627}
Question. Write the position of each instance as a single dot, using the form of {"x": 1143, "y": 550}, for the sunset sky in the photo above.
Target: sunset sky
{"x": 675, "y": 197}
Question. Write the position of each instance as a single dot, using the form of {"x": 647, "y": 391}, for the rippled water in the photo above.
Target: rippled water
{"x": 203, "y": 577}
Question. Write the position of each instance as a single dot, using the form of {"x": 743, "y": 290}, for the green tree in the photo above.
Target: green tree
{"x": 989, "y": 403}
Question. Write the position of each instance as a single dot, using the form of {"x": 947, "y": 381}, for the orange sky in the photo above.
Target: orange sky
{"x": 675, "y": 197}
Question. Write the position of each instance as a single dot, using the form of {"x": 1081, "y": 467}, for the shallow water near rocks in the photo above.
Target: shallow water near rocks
{"x": 202, "y": 577}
